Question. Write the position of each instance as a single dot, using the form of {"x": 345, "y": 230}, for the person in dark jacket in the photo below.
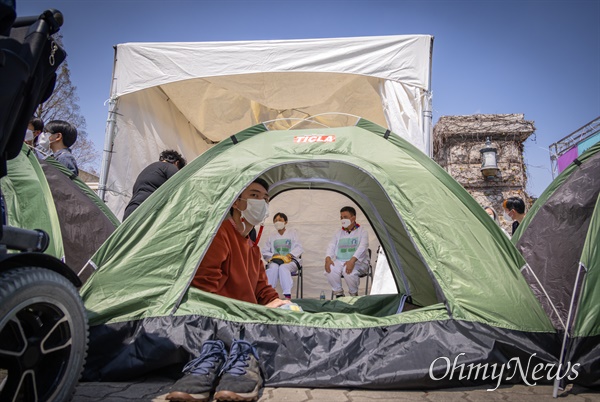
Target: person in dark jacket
{"x": 57, "y": 139}
{"x": 514, "y": 211}
{"x": 152, "y": 177}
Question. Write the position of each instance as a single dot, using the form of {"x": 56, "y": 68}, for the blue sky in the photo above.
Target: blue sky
{"x": 539, "y": 58}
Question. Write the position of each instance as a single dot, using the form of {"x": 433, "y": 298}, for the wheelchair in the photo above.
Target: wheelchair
{"x": 43, "y": 324}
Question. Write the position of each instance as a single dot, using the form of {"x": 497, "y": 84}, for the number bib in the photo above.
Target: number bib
{"x": 346, "y": 248}
{"x": 282, "y": 246}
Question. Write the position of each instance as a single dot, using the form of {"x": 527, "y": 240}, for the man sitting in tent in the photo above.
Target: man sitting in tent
{"x": 232, "y": 267}
{"x": 350, "y": 249}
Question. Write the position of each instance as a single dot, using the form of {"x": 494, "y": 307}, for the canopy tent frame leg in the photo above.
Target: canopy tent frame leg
{"x": 108, "y": 142}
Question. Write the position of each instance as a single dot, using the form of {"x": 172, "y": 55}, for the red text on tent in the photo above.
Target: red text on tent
{"x": 315, "y": 138}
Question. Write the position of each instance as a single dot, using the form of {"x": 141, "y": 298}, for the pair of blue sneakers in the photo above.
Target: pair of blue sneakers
{"x": 232, "y": 377}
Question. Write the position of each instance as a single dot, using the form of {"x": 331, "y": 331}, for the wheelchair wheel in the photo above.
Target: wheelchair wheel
{"x": 43, "y": 336}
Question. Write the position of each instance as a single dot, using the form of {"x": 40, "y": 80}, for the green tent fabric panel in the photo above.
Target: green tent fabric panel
{"x": 587, "y": 322}
{"x": 29, "y": 201}
{"x": 91, "y": 194}
{"x": 375, "y": 305}
{"x": 456, "y": 247}
{"x": 132, "y": 256}
{"x": 457, "y": 270}
{"x": 219, "y": 307}
{"x": 158, "y": 268}
{"x": 448, "y": 181}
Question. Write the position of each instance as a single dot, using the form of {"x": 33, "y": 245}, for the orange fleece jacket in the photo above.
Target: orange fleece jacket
{"x": 233, "y": 267}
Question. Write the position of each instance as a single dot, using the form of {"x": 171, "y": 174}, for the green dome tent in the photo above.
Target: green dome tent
{"x": 559, "y": 238}
{"x": 43, "y": 194}
{"x": 85, "y": 220}
{"x": 448, "y": 259}
{"x": 28, "y": 199}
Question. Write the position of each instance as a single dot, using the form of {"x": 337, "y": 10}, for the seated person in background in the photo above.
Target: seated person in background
{"x": 57, "y": 138}
{"x": 349, "y": 248}
{"x": 232, "y": 267}
{"x": 282, "y": 252}
{"x": 152, "y": 177}
{"x": 514, "y": 211}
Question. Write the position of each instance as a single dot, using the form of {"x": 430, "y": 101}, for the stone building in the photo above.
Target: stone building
{"x": 458, "y": 141}
{"x": 91, "y": 179}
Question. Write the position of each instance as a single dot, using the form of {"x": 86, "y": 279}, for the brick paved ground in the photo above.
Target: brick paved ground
{"x": 155, "y": 389}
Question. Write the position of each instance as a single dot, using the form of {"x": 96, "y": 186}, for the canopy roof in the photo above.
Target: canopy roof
{"x": 189, "y": 96}
{"x": 401, "y": 58}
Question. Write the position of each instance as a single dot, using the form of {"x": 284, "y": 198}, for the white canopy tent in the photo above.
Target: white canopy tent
{"x": 188, "y": 96}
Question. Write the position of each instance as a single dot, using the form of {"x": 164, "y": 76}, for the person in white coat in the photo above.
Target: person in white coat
{"x": 282, "y": 251}
{"x": 347, "y": 254}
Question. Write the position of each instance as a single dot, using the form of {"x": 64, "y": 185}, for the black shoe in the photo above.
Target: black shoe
{"x": 339, "y": 294}
{"x": 200, "y": 374}
{"x": 240, "y": 378}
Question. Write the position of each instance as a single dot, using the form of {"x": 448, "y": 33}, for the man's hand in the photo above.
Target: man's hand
{"x": 350, "y": 265}
{"x": 277, "y": 302}
{"x": 328, "y": 264}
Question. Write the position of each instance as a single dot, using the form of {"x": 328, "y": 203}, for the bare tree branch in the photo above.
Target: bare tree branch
{"x": 63, "y": 105}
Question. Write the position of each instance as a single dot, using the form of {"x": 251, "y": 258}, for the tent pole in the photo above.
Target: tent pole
{"x": 427, "y": 112}
{"x": 566, "y": 335}
{"x": 427, "y": 120}
{"x": 108, "y": 147}
{"x": 528, "y": 269}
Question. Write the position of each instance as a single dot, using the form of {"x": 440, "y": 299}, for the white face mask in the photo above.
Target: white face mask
{"x": 279, "y": 225}
{"x": 256, "y": 211}
{"x": 506, "y": 217}
{"x": 28, "y": 135}
{"x": 43, "y": 143}
{"x": 346, "y": 223}
{"x": 44, "y": 140}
